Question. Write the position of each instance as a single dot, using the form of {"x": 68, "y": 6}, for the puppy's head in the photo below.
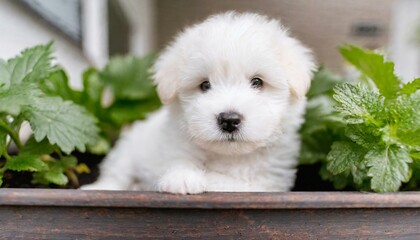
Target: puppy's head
{"x": 235, "y": 78}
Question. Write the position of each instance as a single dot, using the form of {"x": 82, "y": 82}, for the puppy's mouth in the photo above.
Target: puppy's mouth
{"x": 230, "y": 144}
{"x": 231, "y": 138}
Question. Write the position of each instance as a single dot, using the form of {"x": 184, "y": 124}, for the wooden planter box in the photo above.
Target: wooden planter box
{"x": 75, "y": 214}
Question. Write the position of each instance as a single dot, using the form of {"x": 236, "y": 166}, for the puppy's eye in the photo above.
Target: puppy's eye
{"x": 205, "y": 86}
{"x": 256, "y": 82}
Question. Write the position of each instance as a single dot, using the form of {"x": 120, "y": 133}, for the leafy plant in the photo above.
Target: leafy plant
{"x": 374, "y": 132}
{"x": 58, "y": 126}
{"x": 117, "y": 95}
{"x": 63, "y": 119}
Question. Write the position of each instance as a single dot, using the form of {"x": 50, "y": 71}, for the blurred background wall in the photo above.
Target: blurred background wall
{"x": 20, "y": 28}
{"x": 321, "y": 24}
{"x": 112, "y": 27}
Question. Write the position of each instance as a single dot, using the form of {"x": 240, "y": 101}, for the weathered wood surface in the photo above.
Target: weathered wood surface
{"x": 290, "y": 200}
{"x": 74, "y": 214}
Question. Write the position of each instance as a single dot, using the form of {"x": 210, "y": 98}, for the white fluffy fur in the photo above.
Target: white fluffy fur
{"x": 180, "y": 148}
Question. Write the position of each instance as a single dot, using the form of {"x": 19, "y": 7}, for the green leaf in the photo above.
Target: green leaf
{"x": 373, "y": 66}
{"x": 406, "y": 119}
{"x": 93, "y": 86}
{"x": 126, "y": 111}
{"x": 322, "y": 124}
{"x": 343, "y": 156}
{"x": 339, "y": 181}
{"x": 55, "y": 174}
{"x": 1, "y": 178}
{"x": 323, "y": 83}
{"x": 92, "y": 94}
{"x": 411, "y": 138}
{"x": 12, "y": 100}
{"x": 411, "y": 87}
{"x": 57, "y": 84}
{"x": 32, "y": 65}
{"x": 31, "y": 163}
{"x": 101, "y": 147}
{"x": 360, "y": 177}
{"x": 4, "y": 76}
{"x": 62, "y": 122}
{"x": 357, "y": 104}
{"x": 129, "y": 77}
{"x": 318, "y": 133}
{"x": 415, "y": 155}
{"x": 32, "y": 147}
{"x": 405, "y": 112}
{"x": 388, "y": 168}
{"x": 363, "y": 135}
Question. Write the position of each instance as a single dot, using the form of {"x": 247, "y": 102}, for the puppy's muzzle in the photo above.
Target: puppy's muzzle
{"x": 229, "y": 121}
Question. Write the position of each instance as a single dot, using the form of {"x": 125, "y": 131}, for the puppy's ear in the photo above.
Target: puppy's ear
{"x": 166, "y": 73}
{"x": 299, "y": 66}
{"x": 300, "y": 83}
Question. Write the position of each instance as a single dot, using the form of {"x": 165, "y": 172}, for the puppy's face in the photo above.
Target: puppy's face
{"x": 232, "y": 103}
{"x": 235, "y": 78}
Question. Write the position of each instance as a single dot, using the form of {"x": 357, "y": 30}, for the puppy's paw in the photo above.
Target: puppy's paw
{"x": 182, "y": 181}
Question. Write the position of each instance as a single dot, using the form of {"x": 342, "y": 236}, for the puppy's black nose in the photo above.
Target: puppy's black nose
{"x": 229, "y": 121}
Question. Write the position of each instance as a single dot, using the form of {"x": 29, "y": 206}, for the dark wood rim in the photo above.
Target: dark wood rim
{"x": 214, "y": 200}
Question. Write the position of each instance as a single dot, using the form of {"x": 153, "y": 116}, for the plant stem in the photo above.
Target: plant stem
{"x": 12, "y": 133}
{"x": 7, "y": 156}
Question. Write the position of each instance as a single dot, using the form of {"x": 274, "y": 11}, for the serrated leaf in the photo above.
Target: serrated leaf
{"x": 388, "y": 167}
{"x": 411, "y": 87}
{"x": 93, "y": 86}
{"x": 323, "y": 83}
{"x": 92, "y": 94}
{"x": 4, "y": 76}
{"x": 406, "y": 119}
{"x": 55, "y": 174}
{"x": 126, "y": 111}
{"x": 12, "y": 100}
{"x": 358, "y": 104}
{"x": 322, "y": 125}
{"x": 405, "y": 112}
{"x": 32, "y": 163}
{"x": 339, "y": 181}
{"x": 62, "y": 122}
{"x": 33, "y": 64}
{"x": 32, "y": 147}
{"x": 413, "y": 117}
{"x": 359, "y": 176}
{"x": 343, "y": 156}
{"x": 375, "y": 67}
{"x": 411, "y": 138}
{"x": 57, "y": 84}
{"x": 363, "y": 135}
{"x": 129, "y": 77}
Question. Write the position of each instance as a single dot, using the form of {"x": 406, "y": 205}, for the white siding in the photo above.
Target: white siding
{"x": 20, "y": 30}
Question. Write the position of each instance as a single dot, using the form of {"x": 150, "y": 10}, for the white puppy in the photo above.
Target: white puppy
{"x": 234, "y": 88}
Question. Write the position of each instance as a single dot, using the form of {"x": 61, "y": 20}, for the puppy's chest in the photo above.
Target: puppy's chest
{"x": 246, "y": 168}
